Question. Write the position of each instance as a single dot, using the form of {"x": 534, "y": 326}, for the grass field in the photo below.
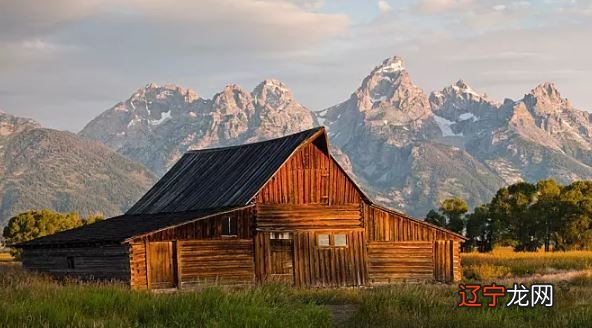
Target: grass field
{"x": 28, "y": 300}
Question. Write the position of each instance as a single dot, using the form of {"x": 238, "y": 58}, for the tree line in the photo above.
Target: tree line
{"x": 38, "y": 223}
{"x": 526, "y": 216}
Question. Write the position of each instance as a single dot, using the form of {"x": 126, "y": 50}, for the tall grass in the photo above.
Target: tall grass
{"x": 504, "y": 262}
{"x": 435, "y": 306}
{"x": 28, "y": 300}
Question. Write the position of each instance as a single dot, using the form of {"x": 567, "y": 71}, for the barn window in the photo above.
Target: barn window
{"x": 332, "y": 240}
{"x": 340, "y": 240}
{"x": 229, "y": 226}
{"x": 323, "y": 240}
{"x": 70, "y": 262}
{"x": 281, "y": 235}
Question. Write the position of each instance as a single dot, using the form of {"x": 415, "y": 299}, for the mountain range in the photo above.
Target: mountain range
{"x": 409, "y": 149}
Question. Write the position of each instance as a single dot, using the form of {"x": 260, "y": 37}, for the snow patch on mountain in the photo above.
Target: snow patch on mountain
{"x": 446, "y": 127}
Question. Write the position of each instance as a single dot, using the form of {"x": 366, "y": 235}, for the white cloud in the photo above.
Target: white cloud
{"x": 64, "y": 63}
{"x": 499, "y": 7}
{"x": 436, "y": 6}
{"x": 384, "y": 6}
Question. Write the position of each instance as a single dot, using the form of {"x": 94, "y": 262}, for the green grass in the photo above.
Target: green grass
{"x": 30, "y": 300}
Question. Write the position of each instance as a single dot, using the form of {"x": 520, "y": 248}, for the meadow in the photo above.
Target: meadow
{"x": 28, "y": 300}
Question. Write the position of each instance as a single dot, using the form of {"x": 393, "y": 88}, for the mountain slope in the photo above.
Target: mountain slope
{"x": 44, "y": 168}
{"x": 156, "y": 125}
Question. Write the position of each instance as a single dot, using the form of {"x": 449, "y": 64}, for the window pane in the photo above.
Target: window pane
{"x": 323, "y": 240}
{"x": 229, "y": 226}
{"x": 281, "y": 235}
{"x": 340, "y": 239}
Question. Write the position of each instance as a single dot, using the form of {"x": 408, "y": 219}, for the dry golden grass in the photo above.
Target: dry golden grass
{"x": 503, "y": 263}
{"x": 6, "y": 257}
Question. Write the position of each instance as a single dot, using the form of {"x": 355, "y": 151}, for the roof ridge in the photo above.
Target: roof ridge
{"x": 315, "y": 129}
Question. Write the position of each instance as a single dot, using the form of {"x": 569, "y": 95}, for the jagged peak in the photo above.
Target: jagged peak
{"x": 232, "y": 88}
{"x": 462, "y": 86}
{"x": 547, "y": 89}
{"x": 390, "y": 65}
{"x": 271, "y": 84}
{"x": 233, "y": 93}
{"x": 272, "y": 92}
{"x": 166, "y": 90}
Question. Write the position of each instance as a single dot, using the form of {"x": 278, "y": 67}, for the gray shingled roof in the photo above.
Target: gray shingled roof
{"x": 220, "y": 177}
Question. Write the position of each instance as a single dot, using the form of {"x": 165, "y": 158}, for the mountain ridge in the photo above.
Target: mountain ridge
{"x": 46, "y": 168}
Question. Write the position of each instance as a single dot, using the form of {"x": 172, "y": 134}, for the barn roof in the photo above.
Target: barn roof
{"x": 220, "y": 177}
{"x": 121, "y": 228}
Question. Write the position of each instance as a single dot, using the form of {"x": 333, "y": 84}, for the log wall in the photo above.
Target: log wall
{"x": 400, "y": 248}
{"x": 305, "y": 217}
{"x": 314, "y": 265}
{"x": 194, "y": 243}
{"x": 216, "y": 261}
{"x": 107, "y": 262}
{"x": 309, "y": 177}
{"x": 390, "y": 261}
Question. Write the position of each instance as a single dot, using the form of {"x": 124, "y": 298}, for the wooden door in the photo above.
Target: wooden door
{"x": 282, "y": 259}
{"x": 161, "y": 265}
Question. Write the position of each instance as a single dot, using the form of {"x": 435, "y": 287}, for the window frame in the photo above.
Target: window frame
{"x": 229, "y": 223}
{"x": 331, "y": 240}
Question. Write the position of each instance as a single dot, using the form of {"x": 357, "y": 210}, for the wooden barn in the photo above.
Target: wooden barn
{"x": 279, "y": 210}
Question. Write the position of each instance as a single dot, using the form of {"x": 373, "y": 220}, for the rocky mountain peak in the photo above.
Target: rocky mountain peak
{"x": 546, "y": 99}
{"x": 390, "y": 65}
{"x": 389, "y": 88}
{"x": 272, "y": 93}
{"x": 232, "y": 100}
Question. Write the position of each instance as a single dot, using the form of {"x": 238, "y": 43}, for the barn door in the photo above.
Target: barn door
{"x": 161, "y": 265}
{"x": 282, "y": 258}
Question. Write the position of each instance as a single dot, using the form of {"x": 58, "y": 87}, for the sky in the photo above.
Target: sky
{"x": 63, "y": 62}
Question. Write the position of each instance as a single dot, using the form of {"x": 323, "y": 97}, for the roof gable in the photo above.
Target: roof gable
{"x": 220, "y": 177}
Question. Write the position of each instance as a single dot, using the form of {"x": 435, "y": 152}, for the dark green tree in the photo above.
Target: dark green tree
{"x": 511, "y": 217}
{"x": 478, "y": 229}
{"x": 436, "y": 218}
{"x": 450, "y": 215}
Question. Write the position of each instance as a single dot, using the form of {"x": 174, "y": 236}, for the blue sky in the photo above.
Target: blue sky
{"x": 63, "y": 62}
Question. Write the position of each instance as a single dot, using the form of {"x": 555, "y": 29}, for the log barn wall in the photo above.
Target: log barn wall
{"x": 390, "y": 261}
{"x": 309, "y": 177}
{"x": 219, "y": 261}
{"x": 101, "y": 262}
{"x": 309, "y": 195}
{"x": 314, "y": 265}
{"x": 202, "y": 253}
{"x": 400, "y": 248}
